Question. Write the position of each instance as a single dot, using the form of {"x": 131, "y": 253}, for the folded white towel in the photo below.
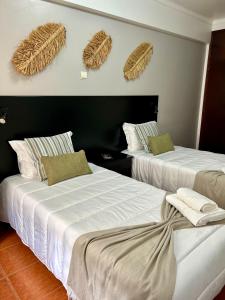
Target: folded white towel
{"x": 195, "y": 200}
{"x": 197, "y": 218}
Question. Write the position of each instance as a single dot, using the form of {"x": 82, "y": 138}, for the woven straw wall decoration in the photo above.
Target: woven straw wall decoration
{"x": 137, "y": 61}
{"x": 97, "y": 50}
{"x": 39, "y": 49}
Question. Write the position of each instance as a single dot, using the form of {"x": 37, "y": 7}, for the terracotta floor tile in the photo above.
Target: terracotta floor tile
{"x": 8, "y": 236}
{"x": 59, "y": 294}
{"x": 2, "y": 274}
{"x": 15, "y": 258}
{"x": 6, "y": 292}
{"x": 34, "y": 282}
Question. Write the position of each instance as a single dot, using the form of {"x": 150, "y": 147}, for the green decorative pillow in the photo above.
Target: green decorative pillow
{"x": 160, "y": 144}
{"x": 65, "y": 166}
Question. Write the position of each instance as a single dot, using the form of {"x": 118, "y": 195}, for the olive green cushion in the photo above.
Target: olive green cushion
{"x": 160, "y": 144}
{"x": 65, "y": 166}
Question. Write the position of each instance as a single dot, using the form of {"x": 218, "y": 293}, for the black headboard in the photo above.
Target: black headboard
{"x": 95, "y": 120}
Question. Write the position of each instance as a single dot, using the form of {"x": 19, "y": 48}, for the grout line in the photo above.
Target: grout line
{"x": 9, "y": 283}
{"x": 6, "y": 247}
{"x": 49, "y": 294}
{"x": 22, "y": 269}
{"x": 3, "y": 272}
{"x": 12, "y": 288}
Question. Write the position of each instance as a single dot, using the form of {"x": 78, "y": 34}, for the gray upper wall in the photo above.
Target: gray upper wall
{"x": 174, "y": 73}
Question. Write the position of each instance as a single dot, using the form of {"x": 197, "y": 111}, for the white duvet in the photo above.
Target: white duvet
{"x": 174, "y": 169}
{"x": 50, "y": 219}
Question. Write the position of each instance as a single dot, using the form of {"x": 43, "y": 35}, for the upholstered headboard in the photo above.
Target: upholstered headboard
{"x": 96, "y": 121}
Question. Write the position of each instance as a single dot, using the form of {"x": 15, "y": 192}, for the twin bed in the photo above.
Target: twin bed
{"x": 173, "y": 169}
{"x": 50, "y": 219}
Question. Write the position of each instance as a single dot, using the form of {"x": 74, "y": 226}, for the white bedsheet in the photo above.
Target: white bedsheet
{"x": 50, "y": 219}
{"x": 174, "y": 169}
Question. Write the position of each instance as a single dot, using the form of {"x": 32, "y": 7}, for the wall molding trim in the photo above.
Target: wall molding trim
{"x": 185, "y": 10}
{"x": 218, "y": 24}
{"x": 159, "y": 15}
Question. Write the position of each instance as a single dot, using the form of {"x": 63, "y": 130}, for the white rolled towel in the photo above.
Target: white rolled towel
{"x": 195, "y": 200}
{"x": 197, "y": 218}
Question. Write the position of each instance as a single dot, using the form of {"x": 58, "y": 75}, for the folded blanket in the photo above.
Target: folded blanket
{"x": 135, "y": 262}
{"x": 196, "y": 201}
{"x": 211, "y": 184}
{"x": 131, "y": 263}
{"x": 197, "y": 218}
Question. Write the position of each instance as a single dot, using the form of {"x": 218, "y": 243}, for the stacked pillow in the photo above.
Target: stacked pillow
{"x": 49, "y": 146}
{"x": 133, "y": 141}
{"x": 25, "y": 159}
{"x": 145, "y": 130}
{"x": 137, "y": 135}
{"x": 146, "y": 136}
{"x": 50, "y": 157}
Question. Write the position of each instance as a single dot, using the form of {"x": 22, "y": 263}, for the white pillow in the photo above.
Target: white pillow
{"x": 25, "y": 160}
{"x": 145, "y": 130}
{"x": 133, "y": 141}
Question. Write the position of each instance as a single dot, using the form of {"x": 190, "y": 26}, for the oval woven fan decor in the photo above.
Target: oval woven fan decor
{"x": 97, "y": 50}
{"x": 39, "y": 49}
{"x": 137, "y": 61}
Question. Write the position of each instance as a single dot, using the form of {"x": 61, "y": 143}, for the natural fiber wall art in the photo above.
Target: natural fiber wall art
{"x": 39, "y": 49}
{"x": 97, "y": 50}
{"x": 137, "y": 61}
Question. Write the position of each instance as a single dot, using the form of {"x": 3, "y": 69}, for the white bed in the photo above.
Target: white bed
{"x": 173, "y": 169}
{"x": 50, "y": 219}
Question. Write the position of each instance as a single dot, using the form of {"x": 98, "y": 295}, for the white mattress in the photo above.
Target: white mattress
{"x": 50, "y": 219}
{"x": 174, "y": 169}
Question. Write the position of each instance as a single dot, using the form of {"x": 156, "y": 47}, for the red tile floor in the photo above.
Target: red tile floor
{"x": 24, "y": 277}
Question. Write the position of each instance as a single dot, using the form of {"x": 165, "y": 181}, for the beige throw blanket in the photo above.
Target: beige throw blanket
{"x": 212, "y": 185}
{"x": 133, "y": 262}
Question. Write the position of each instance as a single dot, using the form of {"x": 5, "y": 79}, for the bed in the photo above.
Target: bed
{"x": 50, "y": 219}
{"x": 173, "y": 169}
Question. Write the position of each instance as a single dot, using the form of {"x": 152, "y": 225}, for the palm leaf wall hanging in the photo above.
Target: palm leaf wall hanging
{"x": 39, "y": 49}
{"x": 97, "y": 50}
{"x": 137, "y": 61}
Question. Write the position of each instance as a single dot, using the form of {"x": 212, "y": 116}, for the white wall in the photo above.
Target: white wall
{"x": 156, "y": 14}
{"x": 174, "y": 73}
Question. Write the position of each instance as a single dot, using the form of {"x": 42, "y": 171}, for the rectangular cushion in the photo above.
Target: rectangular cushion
{"x": 160, "y": 144}
{"x": 65, "y": 166}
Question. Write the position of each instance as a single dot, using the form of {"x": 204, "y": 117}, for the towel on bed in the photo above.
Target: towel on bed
{"x": 211, "y": 184}
{"x": 195, "y": 200}
{"x": 129, "y": 263}
{"x": 197, "y": 218}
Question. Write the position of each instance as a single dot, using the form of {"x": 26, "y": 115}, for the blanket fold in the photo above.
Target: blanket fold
{"x": 196, "y": 201}
{"x": 128, "y": 263}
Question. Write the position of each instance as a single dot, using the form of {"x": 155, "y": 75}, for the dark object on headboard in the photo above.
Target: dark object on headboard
{"x": 96, "y": 121}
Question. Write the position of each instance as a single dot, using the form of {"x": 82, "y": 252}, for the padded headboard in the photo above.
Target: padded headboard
{"x": 96, "y": 121}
